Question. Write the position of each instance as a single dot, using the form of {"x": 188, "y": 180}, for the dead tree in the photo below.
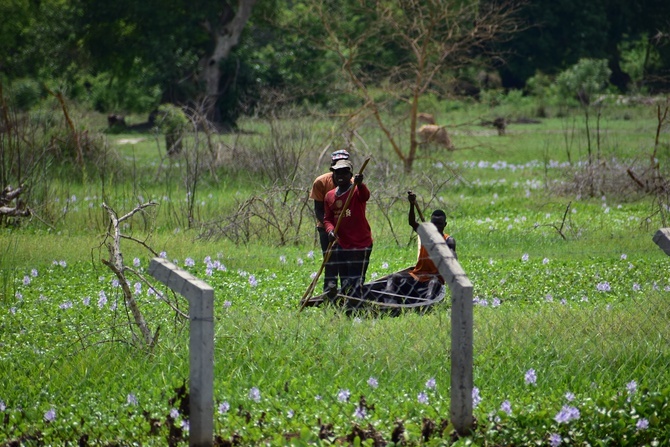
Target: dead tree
{"x": 116, "y": 265}
{"x": 9, "y": 195}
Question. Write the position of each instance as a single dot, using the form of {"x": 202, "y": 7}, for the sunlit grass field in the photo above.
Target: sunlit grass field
{"x": 571, "y": 300}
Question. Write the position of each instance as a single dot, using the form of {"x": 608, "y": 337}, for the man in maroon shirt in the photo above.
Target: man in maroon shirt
{"x": 321, "y": 185}
{"x": 354, "y": 237}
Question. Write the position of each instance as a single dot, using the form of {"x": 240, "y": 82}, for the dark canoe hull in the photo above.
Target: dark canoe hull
{"x": 375, "y": 298}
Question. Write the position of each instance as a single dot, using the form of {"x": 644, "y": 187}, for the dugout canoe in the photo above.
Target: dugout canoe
{"x": 375, "y": 298}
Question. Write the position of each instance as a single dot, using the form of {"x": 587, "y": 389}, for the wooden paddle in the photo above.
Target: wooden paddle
{"x": 326, "y": 257}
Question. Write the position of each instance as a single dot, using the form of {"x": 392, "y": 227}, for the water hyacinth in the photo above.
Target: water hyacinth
{"x": 255, "y": 394}
{"x": 50, "y": 415}
{"x": 3, "y": 407}
{"x": 131, "y": 399}
{"x": 189, "y": 262}
{"x": 506, "y": 406}
{"x": 422, "y": 398}
{"x": 224, "y": 407}
{"x": 555, "y": 440}
{"x": 476, "y": 398}
{"x": 359, "y": 413}
{"x": 642, "y": 424}
{"x": 372, "y": 382}
{"x": 604, "y": 287}
{"x": 568, "y": 413}
{"x": 310, "y": 254}
{"x": 524, "y": 258}
{"x": 174, "y": 413}
{"x": 530, "y": 377}
{"x": 343, "y": 395}
{"x": 431, "y": 383}
{"x": 252, "y": 281}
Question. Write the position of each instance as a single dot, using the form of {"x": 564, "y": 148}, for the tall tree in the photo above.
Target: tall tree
{"x": 183, "y": 42}
{"x": 407, "y": 48}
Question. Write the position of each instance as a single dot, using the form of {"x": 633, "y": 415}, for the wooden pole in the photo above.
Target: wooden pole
{"x": 326, "y": 257}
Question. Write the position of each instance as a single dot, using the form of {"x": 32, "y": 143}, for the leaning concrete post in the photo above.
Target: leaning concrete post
{"x": 461, "y": 325}
{"x": 662, "y": 239}
{"x": 200, "y": 298}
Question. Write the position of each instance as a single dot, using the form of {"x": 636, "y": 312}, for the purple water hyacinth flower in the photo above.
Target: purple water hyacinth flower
{"x": 549, "y": 298}
{"x": 495, "y": 302}
{"x": 174, "y": 413}
{"x": 136, "y": 262}
{"x": 185, "y": 425}
{"x": 431, "y": 383}
{"x": 224, "y": 407}
{"x": 3, "y": 407}
{"x": 310, "y": 254}
{"x": 422, "y": 398}
{"x": 555, "y": 440}
{"x": 189, "y": 262}
{"x": 102, "y": 300}
{"x": 642, "y": 424}
{"x": 252, "y": 281}
{"x": 33, "y": 273}
{"x": 530, "y": 377}
{"x": 18, "y": 296}
{"x": 282, "y": 259}
{"x": 227, "y": 304}
{"x": 506, "y": 406}
{"x": 255, "y": 394}
{"x": 567, "y": 414}
{"x": 300, "y": 261}
{"x": 545, "y": 261}
{"x": 162, "y": 255}
{"x": 604, "y": 287}
{"x": 26, "y": 280}
{"x": 524, "y": 258}
{"x": 12, "y": 310}
{"x": 385, "y": 265}
{"x": 138, "y": 288}
{"x": 343, "y": 395}
{"x": 86, "y": 300}
{"x": 290, "y": 414}
{"x": 50, "y": 415}
{"x": 66, "y": 305}
{"x": 624, "y": 256}
{"x": 359, "y": 413}
{"x": 131, "y": 399}
{"x": 114, "y": 305}
{"x": 372, "y": 382}
{"x": 569, "y": 396}
{"x": 312, "y": 275}
{"x": 62, "y": 264}
{"x": 631, "y": 387}
{"x": 115, "y": 282}
{"x": 476, "y": 398}
{"x": 636, "y": 287}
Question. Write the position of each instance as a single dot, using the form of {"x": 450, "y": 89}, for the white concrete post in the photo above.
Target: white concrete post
{"x": 662, "y": 239}
{"x": 461, "y": 325}
{"x": 200, "y": 298}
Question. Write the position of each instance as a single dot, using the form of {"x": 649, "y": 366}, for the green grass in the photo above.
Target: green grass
{"x": 587, "y": 313}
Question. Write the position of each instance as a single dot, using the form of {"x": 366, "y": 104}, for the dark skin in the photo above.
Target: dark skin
{"x": 439, "y": 221}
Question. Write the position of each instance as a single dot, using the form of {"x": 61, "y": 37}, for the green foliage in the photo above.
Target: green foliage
{"x": 584, "y": 79}
{"x": 25, "y": 94}
{"x": 105, "y": 93}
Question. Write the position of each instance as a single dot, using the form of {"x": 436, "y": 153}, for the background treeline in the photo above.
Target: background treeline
{"x": 128, "y": 57}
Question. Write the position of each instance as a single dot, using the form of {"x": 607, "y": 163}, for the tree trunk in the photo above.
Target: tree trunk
{"x": 225, "y": 35}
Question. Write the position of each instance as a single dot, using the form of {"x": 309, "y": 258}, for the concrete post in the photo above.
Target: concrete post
{"x": 461, "y": 325}
{"x": 200, "y": 297}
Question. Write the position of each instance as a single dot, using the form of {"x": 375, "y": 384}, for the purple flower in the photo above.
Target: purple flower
{"x": 555, "y": 440}
{"x": 310, "y": 254}
{"x": 359, "y": 413}
{"x": 636, "y": 287}
{"x": 524, "y": 258}
{"x": 422, "y": 398}
{"x": 62, "y": 264}
{"x": 495, "y": 302}
{"x": 567, "y": 414}
{"x": 430, "y": 383}
{"x": 343, "y": 395}
{"x": 66, "y": 305}
{"x": 569, "y": 397}
{"x": 506, "y": 406}
{"x": 131, "y": 399}
{"x": 136, "y": 262}
{"x": 174, "y": 413}
{"x": 3, "y": 407}
{"x": 50, "y": 415}
{"x": 252, "y": 281}
{"x": 530, "y": 377}
{"x": 642, "y": 424}
{"x": 385, "y": 265}
{"x": 227, "y": 304}
{"x": 138, "y": 288}
{"x": 224, "y": 407}
{"x": 603, "y": 287}
{"x": 26, "y": 280}
{"x": 255, "y": 394}
{"x": 545, "y": 261}
{"x": 186, "y": 425}
{"x": 631, "y": 387}
{"x": 624, "y": 256}
{"x": 300, "y": 261}
{"x": 189, "y": 262}
{"x": 162, "y": 255}
{"x": 19, "y": 296}
{"x": 282, "y": 259}
{"x": 86, "y": 300}
{"x": 33, "y": 273}
{"x": 476, "y": 398}
{"x": 372, "y": 382}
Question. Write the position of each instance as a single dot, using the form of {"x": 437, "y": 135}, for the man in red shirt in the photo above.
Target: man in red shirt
{"x": 321, "y": 185}
{"x": 354, "y": 237}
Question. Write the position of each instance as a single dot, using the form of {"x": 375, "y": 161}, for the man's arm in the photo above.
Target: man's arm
{"x": 319, "y": 211}
{"x": 412, "y": 214}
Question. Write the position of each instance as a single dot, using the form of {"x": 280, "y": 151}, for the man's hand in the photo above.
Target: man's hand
{"x": 331, "y": 236}
{"x": 411, "y": 197}
{"x": 358, "y": 179}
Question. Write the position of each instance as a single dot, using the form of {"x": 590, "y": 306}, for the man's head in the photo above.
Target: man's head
{"x": 439, "y": 219}
{"x": 338, "y": 155}
{"x": 342, "y": 172}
